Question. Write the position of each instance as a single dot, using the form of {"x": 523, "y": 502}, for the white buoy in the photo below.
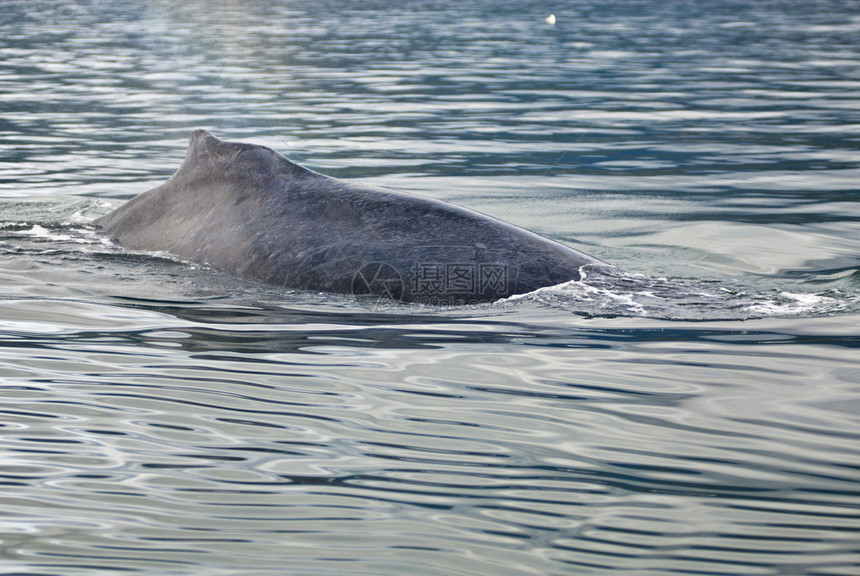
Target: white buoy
{"x": 551, "y": 19}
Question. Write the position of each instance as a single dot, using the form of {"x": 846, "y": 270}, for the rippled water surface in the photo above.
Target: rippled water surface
{"x": 697, "y": 413}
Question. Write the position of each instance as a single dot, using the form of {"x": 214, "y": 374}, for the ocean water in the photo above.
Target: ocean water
{"x": 697, "y": 412}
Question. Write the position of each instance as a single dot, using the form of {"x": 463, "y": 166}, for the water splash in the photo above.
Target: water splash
{"x": 612, "y": 293}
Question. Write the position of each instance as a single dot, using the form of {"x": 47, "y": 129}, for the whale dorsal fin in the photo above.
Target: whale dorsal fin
{"x": 208, "y": 152}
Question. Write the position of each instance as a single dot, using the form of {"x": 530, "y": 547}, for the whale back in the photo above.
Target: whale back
{"x": 251, "y": 211}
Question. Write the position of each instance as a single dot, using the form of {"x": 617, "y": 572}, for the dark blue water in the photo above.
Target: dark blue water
{"x": 697, "y": 413}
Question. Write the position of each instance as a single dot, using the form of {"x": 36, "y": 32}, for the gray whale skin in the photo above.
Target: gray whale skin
{"x": 252, "y": 212}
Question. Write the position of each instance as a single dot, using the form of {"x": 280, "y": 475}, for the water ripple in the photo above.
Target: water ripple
{"x": 694, "y": 414}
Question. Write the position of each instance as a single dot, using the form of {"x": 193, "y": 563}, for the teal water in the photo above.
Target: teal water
{"x": 698, "y": 413}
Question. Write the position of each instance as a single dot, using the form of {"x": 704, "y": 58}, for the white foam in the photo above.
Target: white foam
{"x": 81, "y": 235}
{"x": 792, "y": 304}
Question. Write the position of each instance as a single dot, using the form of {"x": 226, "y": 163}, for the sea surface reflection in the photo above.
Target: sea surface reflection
{"x": 696, "y": 413}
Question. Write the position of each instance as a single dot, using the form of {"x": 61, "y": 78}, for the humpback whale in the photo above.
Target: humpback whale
{"x": 252, "y": 212}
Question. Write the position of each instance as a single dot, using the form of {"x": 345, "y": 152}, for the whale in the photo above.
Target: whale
{"x": 248, "y": 210}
